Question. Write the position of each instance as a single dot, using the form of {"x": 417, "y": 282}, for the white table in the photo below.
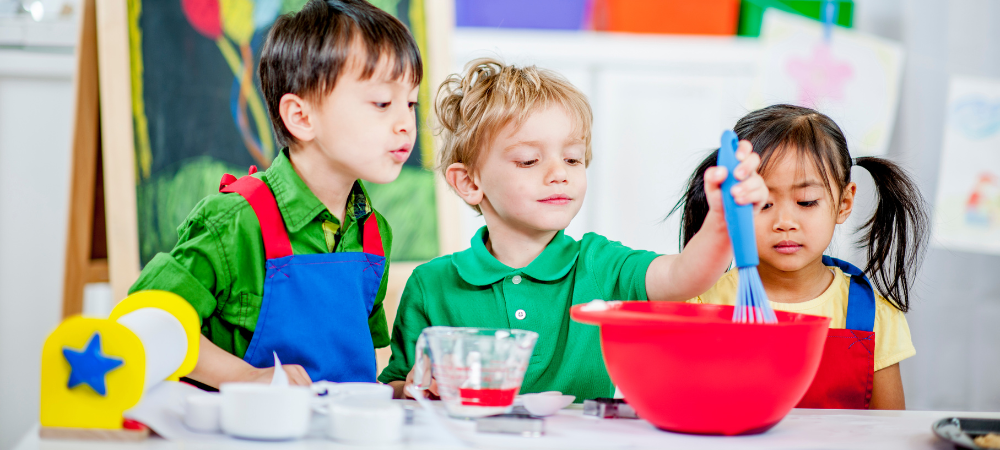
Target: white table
{"x": 802, "y": 429}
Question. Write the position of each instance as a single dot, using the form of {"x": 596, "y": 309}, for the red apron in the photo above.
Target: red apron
{"x": 844, "y": 378}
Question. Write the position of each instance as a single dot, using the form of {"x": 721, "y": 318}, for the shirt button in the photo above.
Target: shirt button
{"x": 520, "y": 314}
{"x": 516, "y": 280}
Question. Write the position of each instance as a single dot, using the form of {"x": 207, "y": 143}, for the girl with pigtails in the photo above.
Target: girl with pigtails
{"x": 807, "y": 168}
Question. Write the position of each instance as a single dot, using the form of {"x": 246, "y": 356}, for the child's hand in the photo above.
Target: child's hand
{"x": 750, "y": 189}
{"x": 431, "y": 392}
{"x": 297, "y": 376}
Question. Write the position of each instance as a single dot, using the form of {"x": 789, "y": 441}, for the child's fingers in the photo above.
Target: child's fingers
{"x": 714, "y": 177}
{"x": 744, "y": 149}
{"x": 752, "y": 190}
{"x": 406, "y": 390}
{"x": 297, "y": 376}
{"x": 747, "y": 166}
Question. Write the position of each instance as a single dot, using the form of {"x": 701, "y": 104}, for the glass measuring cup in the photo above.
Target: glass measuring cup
{"x": 478, "y": 370}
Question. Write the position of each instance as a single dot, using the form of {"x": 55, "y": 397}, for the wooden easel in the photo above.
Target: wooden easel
{"x": 101, "y": 204}
{"x": 86, "y": 240}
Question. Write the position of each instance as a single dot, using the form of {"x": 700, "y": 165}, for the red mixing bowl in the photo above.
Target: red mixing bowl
{"x": 688, "y": 368}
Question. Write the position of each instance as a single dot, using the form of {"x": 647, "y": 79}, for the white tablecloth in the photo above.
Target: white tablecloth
{"x": 802, "y": 429}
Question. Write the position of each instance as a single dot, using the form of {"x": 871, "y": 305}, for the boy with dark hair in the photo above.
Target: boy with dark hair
{"x": 293, "y": 261}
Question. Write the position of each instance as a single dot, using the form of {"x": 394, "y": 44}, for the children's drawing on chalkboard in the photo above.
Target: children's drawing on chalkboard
{"x": 232, "y": 29}
{"x": 198, "y": 113}
{"x": 967, "y": 210}
{"x": 850, "y": 76}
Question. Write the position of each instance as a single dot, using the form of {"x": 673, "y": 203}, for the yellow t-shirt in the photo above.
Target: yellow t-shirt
{"x": 892, "y": 334}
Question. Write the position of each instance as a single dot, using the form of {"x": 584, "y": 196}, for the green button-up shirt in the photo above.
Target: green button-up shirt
{"x": 472, "y": 288}
{"x": 218, "y": 262}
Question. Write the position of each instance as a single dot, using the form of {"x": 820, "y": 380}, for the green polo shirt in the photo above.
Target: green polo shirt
{"x": 472, "y": 288}
{"x": 218, "y": 262}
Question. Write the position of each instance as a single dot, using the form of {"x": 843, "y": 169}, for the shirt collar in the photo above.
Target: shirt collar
{"x": 478, "y": 267}
{"x": 297, "y": 203}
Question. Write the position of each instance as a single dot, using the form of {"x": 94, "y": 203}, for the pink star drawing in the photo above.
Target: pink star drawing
{"x": 819, "y": 76}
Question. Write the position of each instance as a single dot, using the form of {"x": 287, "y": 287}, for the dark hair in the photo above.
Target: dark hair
{"x": 895, "y": 235}
{"x": 305, "y": 52}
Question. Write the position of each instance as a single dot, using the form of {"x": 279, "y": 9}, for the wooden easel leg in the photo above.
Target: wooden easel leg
{"x": 86, "y": 141}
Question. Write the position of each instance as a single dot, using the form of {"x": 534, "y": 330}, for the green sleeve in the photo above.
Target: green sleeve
{"x": 411, "y": 319}
{"x": 194, "y": 269}
{"x": 376, "y": 320}
{"x": 620, "y": 272}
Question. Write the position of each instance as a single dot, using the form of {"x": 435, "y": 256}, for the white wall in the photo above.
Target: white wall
{"x": 955, "y": 320}
{"x": 36, "y": 104}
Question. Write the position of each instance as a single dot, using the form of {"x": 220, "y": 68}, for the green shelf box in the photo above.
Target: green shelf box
{"x": 752, "y": 13}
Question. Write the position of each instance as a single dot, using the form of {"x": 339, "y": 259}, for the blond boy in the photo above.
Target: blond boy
{"x": 516, "y": 148}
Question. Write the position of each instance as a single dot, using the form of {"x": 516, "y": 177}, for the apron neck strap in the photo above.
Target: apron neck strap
{"x": 371, "y": 240}
{"x": 260, "y": 198}
{"x": 860, "y": 296}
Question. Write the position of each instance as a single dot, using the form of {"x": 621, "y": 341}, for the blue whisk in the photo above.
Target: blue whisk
{"x": 752, "y": 305}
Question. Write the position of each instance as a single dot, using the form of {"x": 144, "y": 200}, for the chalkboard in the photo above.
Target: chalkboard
{"x": 198, "y": 112}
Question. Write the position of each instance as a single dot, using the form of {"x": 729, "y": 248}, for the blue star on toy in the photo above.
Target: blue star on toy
{"x": 90, "y": 365}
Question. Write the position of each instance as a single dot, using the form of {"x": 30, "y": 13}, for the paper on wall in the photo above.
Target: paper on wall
{"x": 853, "y": 77}
{"x": 967, "y": 205}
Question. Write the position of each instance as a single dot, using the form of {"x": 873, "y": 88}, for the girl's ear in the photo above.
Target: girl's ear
{"x": 297, "y": 114}
{"x": 846, "y": 202}
{"x": 463, "y": 183}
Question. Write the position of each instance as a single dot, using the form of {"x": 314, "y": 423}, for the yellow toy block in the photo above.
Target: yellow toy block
{"x": 93, "y": 370}
{"x": 68, "y": 399}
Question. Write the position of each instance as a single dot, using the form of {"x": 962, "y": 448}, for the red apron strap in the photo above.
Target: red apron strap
{"x": 371, "y": 240}
{"x": 272, "y": 227}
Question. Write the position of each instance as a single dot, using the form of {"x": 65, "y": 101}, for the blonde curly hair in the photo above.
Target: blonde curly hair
{"x": 473, "y": 107}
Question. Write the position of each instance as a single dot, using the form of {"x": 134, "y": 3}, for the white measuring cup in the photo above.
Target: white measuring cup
{"x": 478, "y": 370}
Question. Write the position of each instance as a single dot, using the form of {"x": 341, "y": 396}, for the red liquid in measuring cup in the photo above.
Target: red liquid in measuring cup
{"x": 487, "y": 397}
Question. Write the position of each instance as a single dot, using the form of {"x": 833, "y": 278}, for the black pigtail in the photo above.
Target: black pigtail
{"x": 896, "y": 233}
{"x": 694, "y": 204}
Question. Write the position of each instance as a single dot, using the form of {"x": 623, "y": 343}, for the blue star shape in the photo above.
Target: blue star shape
{"x": 90, "y": 365}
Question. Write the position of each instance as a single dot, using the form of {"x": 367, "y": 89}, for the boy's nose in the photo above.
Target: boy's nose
{"x": 557, "y": 174}
{"x": 405, "y": 122}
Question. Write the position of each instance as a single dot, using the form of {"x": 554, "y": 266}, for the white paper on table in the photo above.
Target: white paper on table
{"x": 280, "y": 377}
{"x": 162, "y": 410}
{"x": 854, "y": 77}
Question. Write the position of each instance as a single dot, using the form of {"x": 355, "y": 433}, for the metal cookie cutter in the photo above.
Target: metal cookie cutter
{"x": 609, "y": 408}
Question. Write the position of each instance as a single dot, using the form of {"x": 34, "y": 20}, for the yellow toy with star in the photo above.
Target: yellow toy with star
{"x": 93, "y": 370}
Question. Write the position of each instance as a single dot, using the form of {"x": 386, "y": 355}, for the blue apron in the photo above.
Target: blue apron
{"x": 316, "y": 307}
